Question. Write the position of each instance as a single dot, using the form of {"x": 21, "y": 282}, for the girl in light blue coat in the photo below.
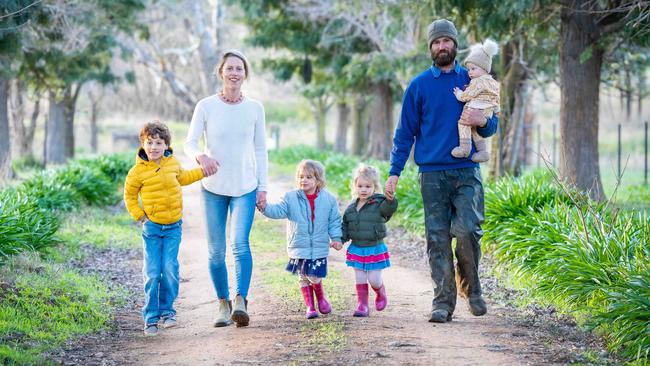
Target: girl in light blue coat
{"x": 314, "y": 226}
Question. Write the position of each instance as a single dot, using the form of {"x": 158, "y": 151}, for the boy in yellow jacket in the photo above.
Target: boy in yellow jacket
{"x": 157, "y": 176}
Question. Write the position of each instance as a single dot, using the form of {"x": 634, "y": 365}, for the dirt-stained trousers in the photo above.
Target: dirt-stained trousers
{"x": 453, "y": 207}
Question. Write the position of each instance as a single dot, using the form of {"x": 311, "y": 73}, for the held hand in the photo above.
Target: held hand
{"x": 209, "y": 165}
{"x": 391, "y": 186}
{"x": 473, "y": 117}
{"x": 143, "y": 220}
{"x": 336, "y": 245}
{"x": 260, "y": 200}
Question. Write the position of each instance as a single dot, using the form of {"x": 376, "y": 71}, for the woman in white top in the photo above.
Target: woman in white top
{"x": 232, "y": 128}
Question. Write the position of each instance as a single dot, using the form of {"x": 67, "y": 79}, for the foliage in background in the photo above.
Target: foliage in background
{"x": 589, "y": 260}
{"x": 29, "y": 212}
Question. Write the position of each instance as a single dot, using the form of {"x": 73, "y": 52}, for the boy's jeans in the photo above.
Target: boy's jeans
{"x": 160, "y": 270}
{"x": 242, "y": 211}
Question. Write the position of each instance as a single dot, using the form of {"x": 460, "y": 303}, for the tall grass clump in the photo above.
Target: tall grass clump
{"x": 24, "y": 225}
{"x": 584, "y": 258}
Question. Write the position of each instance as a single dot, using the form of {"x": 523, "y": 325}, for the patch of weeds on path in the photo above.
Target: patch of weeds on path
{"x": 42, "y": 305}
{"x": 326, "y": 334}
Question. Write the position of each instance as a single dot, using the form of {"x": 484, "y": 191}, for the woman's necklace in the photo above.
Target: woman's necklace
{"x": 223, "y": 96}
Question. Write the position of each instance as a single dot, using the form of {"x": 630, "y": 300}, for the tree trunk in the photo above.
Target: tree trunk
{"x": 319, "y": 108}
{"x": 340, "y": 144}
{"x": 628, "y": 93}
{"x": 94, "y": 131}
{"x": 579, "y": 87}
{"x": 5, "y": 145}
{"x": 55, "y": 141}
{"x": 512, "y": 162}
{"x": 208, "y": 53}
{"x": 641, "y": 88}
{"x": 28, "y": 142}
{"x": 23, "y": 134}
{"x": 359, "y": 126}
{"x": 381, "y": 122}
{"x": 17, "y": 108}
{"x": 506, "y": 141}
{"x": 70, "y": 96}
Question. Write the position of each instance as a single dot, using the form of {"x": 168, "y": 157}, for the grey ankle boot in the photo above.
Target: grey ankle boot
{"x": 223, "y": 316}
{"x": 463, "y": 149}
{"x": 239, "y": 314}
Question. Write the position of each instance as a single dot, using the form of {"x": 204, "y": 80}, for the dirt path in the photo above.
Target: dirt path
{"x": 399, "y": 335}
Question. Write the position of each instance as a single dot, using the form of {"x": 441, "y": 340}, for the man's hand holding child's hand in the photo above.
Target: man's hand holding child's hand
{"x": 336, "y": 245}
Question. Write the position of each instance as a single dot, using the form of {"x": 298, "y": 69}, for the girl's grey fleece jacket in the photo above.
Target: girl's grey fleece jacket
{"x": 307, "y": 239}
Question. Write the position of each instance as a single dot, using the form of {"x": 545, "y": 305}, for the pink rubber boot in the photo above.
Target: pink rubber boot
{"x": 362, "y": 295}
{"x": 323, "y": 305}
{"x": 309, "y": 301}
{"x": 381, "y": 300}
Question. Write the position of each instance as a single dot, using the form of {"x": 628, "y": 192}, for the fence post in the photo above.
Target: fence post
{"x": 645, "y": 161}
{"x": 276, "y": 131}
{"x": 619, "y": 152}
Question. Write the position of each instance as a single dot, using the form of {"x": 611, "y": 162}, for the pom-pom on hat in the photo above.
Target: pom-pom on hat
{"x": 481, "y": 54}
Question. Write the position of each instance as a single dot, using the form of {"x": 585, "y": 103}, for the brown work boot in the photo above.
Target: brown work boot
{"x": 477, "y": 305}
{"x": 239, "y": 314}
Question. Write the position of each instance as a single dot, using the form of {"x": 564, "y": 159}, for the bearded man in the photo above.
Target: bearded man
{"x": 451, "y": 188}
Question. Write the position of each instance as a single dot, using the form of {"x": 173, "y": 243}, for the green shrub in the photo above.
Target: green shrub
{"x": 50, "y": 193}
{"x": 92, "y": 184}
{"x": 28, "y": 212}
{"x": 24, "y": 225}
{"x": 27, "y": 162}
{"x": 114, "y": 166}
{"x": 586, "y": 259}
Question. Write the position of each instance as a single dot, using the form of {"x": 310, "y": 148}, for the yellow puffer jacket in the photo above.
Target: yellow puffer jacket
{"x": 159, "y": 188}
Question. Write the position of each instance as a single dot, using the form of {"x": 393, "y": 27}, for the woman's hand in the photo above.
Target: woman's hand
{"x": 336, "y": 245}
{"x": 209, "y": 165}
{"x": 260, "y": 200}
{"x": 473, "y": 117}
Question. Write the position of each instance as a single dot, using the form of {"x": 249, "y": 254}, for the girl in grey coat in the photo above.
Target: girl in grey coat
{"x": 314, "y": 226}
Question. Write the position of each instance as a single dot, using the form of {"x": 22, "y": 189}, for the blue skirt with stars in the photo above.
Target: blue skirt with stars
{"x": 308, "y": 267}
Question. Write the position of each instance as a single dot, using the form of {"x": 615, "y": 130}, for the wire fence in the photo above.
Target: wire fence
{"x": 623, "y": 150}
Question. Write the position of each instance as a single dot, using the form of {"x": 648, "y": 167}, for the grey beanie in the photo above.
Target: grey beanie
{"x": 442, "y": 28}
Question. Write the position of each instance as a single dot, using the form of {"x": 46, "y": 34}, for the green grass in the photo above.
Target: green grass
{"x": 100, "y": 228}
{"x": 327, "y": 333}
{"x": 42, "y": 305}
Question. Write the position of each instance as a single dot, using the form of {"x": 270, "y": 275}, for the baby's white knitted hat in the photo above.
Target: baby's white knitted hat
{"x": 481, "y": 54}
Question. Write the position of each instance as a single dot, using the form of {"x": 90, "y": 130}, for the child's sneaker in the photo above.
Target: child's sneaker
{"x": 151, "y": 330}
{"x": 169, "y": 321}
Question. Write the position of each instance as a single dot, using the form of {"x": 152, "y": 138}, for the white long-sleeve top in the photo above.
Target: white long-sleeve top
{"x": 234, "y": 135}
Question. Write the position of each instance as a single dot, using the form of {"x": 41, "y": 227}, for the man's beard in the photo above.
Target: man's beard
{"x": 444, "y": 57}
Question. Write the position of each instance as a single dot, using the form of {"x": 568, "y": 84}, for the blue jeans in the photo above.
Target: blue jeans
{"x": 242, "y": 211}
{"x": 160, "y": 269}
